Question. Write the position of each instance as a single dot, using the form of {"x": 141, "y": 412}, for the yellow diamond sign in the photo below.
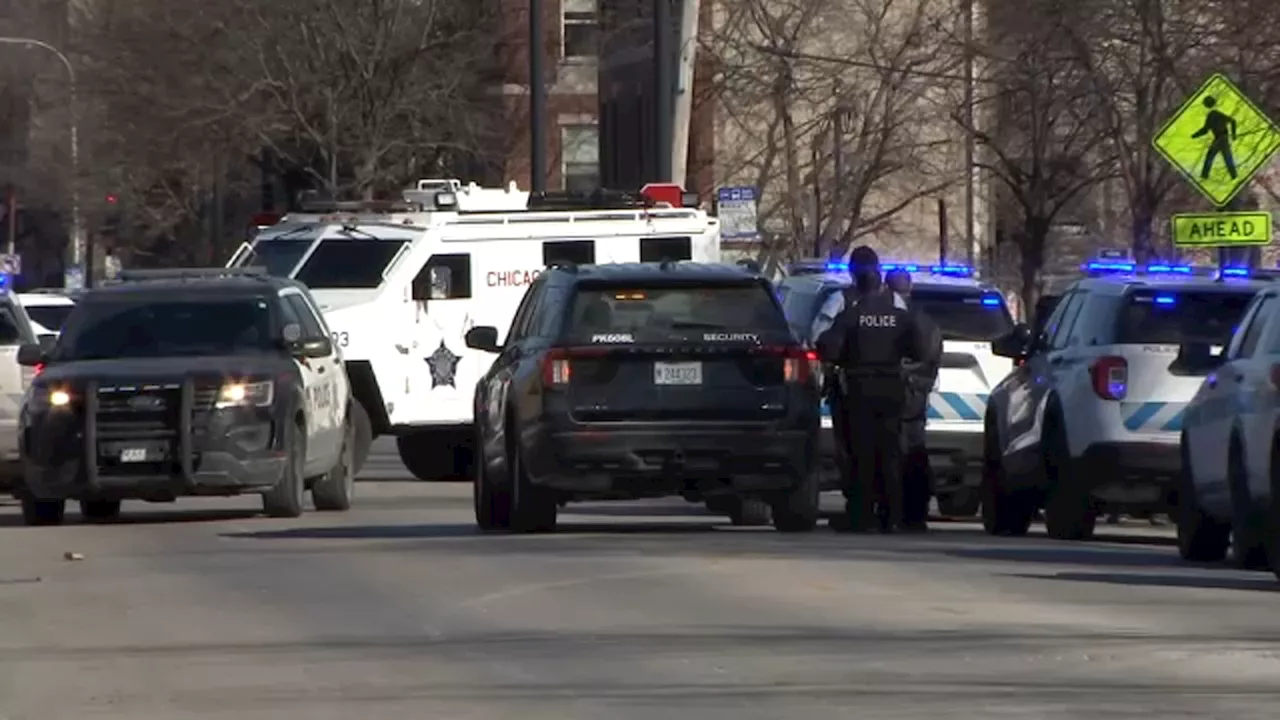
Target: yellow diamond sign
{"x": 1218, "y": 140}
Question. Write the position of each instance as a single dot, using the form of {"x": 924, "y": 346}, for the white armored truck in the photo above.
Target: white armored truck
{"x": 400, "y": 284}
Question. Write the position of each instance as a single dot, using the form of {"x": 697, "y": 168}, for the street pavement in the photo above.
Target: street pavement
{"x": 397, "y": 609}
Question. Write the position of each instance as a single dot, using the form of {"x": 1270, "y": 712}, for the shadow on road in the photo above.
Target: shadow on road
{"x": 14, "y": 519}
{"x": 1070, "y": 554}
{"x": 426, "y": 531}
{"x": 638, "y": 510}
{"x": 1223, "y": 581}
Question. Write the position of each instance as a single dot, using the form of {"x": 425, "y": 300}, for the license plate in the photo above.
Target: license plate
{"x": 686, "y": 373}
{"x": 133, "y": 455}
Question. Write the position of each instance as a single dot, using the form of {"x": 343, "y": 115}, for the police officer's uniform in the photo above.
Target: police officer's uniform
{"x": 835, "y": 304}
{"x": 869, "y": 342}
{"x": 917, "y": 475}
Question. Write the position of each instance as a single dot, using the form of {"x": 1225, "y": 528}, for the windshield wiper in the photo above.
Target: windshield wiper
{"x": 356, "y": 231}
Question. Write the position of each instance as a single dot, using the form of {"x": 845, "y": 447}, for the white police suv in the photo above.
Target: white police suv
{"x": 1230, "y": 488}
{"x": 970, "y": 315}
{"x": 1090, "y": 420}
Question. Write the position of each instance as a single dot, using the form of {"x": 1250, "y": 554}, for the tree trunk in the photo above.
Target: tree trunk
{"x": 790, "y": 144}
{"x": 1035, "y": 234}
{"x": 1142, "y": 217}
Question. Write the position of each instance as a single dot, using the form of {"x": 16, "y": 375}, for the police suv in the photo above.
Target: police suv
{"x": 1230, "y": 489}
{"x": 186, "y": 382}
{"x": 401, "y": 283}
{"x": 16, "y": 330}
{"x": 645, "y": 380}
{"x": 1091, "y": 418}
{"x": 970, "y": 315}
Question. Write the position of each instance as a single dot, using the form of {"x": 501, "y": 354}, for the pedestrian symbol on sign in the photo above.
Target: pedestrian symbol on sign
{"x": 1223, "y": 127}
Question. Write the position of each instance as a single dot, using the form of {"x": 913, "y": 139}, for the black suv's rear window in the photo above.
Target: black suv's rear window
{"x": 1181, "y": 316}
{"x": 748, "y": 307}
{"x": 963, "y": 314}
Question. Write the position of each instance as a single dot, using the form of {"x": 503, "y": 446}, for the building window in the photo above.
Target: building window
{"x": 580, "y": 157}
{"x": 581, "y": 29}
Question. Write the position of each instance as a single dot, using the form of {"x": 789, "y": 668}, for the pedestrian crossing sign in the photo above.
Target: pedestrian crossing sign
{"x": 1218, "y": 140}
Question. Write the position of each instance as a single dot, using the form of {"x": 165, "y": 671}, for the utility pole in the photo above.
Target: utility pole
{"x": 537, "y": 100}
{"x": 663, "y": 90}
{"x": 77, "y": 227}
{"x": 684, "y": 93}
{"x": 970, "y": 198}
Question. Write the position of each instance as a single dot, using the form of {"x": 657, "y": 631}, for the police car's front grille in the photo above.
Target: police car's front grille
{"x": 144, "y": 410}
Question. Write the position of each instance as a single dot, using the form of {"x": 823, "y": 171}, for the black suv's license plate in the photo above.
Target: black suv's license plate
{"x": 135, "y": 452}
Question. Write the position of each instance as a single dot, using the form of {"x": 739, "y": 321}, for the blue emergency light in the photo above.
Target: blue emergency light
{"x": 5, "y": 281}
{"x": 1237, "y": 272}
{"x": 991, "y": 300}
{"x": 1164, "y": 299}
{"x": 908, "y": 267}
{"x": 1162, "y": 269}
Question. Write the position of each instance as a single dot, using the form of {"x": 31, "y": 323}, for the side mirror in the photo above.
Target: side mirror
{"x": 47, "y": 341}
{"x": 314, "y": 348}
{"x": 31, "y": 355}
{"x": 483, "y": 338}
{"x": 1015, "y": 345}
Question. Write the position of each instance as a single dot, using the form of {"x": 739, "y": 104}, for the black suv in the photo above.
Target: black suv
{"x": 645, "y": 380}
{"x": 186, "y": 382}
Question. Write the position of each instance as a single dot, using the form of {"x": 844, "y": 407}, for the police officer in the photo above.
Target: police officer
{"x": 869, "y": 341}
{"x": 831, "y": 390}
{"x": 917, "y": 476}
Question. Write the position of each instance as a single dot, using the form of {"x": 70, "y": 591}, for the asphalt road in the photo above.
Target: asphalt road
{"x": 398, "y": 610}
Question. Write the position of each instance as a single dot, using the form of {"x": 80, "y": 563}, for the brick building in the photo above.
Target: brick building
{"x": 571, "y": 61}
{"x": 599, "y": 79}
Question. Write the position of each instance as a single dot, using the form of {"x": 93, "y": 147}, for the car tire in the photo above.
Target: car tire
{"x": 1248, "y": 524}
{"x": 43, "y": 512}
{"x": 427, "y": 455}
{"x": 1005, "y": 512}
{"x": 334, "y": 491}
{"x": 1068, "y": 510}
{"x": 797, "y": 510}
{"x": 962, "y": 503}
{"x": 288, "y": 498}
{"x": 492, "y": 500}
{"x": 1201, "y": 538}
{"x": 750, "y": 512}
{"x": 363, "y": 436}
{"x": 99, "y": 510}
{"x": 533, "y": 509}
{"x": 720, "y": 504}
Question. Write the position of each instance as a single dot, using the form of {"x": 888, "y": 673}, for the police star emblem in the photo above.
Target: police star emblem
{"x": 444, "y": 366}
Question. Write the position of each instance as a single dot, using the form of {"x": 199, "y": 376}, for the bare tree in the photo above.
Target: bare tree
{"x": 800, "y": 78}
{"x": 1040, "y": 130}
{"x": 1142, "y": 58}
{"x": 371, "y": 89}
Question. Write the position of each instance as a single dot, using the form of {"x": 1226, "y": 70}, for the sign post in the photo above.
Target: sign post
{"x": 737, "y": 209}
{"x": 1219, "y": 141}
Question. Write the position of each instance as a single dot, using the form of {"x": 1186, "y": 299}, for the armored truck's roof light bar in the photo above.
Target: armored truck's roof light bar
{"x": 653, "y": 195}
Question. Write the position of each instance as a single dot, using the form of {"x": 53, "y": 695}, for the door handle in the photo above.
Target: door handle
{"x": 320, "y": 369}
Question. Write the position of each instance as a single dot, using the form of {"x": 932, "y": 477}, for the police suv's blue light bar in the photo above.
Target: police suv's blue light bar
{"x": 1104, "y": 266}
{"x": 837, "y": 267}
{"x": 1169, "y": 269}
{"x": 1235, "y": 272}
{"x": 1164, "y": 299}
{"x": 991, "y": 300}
{"x": 951, "y": 270}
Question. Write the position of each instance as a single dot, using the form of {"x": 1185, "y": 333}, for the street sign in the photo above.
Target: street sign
{"x": 1228, "y": 229}
{"x": 1218, "y": 140}
{"x": 73, "y": 278}
{"x": 10, "y": 264}
{"x": 737, "y": 209}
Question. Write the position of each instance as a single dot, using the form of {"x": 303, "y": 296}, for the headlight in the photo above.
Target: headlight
{"x": 42, "y": 398}
{"x": 256, "y": 394}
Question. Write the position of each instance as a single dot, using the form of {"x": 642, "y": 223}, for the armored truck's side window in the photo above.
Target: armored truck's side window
{"x": 444, "y": 277}
{"x": 666, "y": 248}
{"x": 568, "y": 252}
